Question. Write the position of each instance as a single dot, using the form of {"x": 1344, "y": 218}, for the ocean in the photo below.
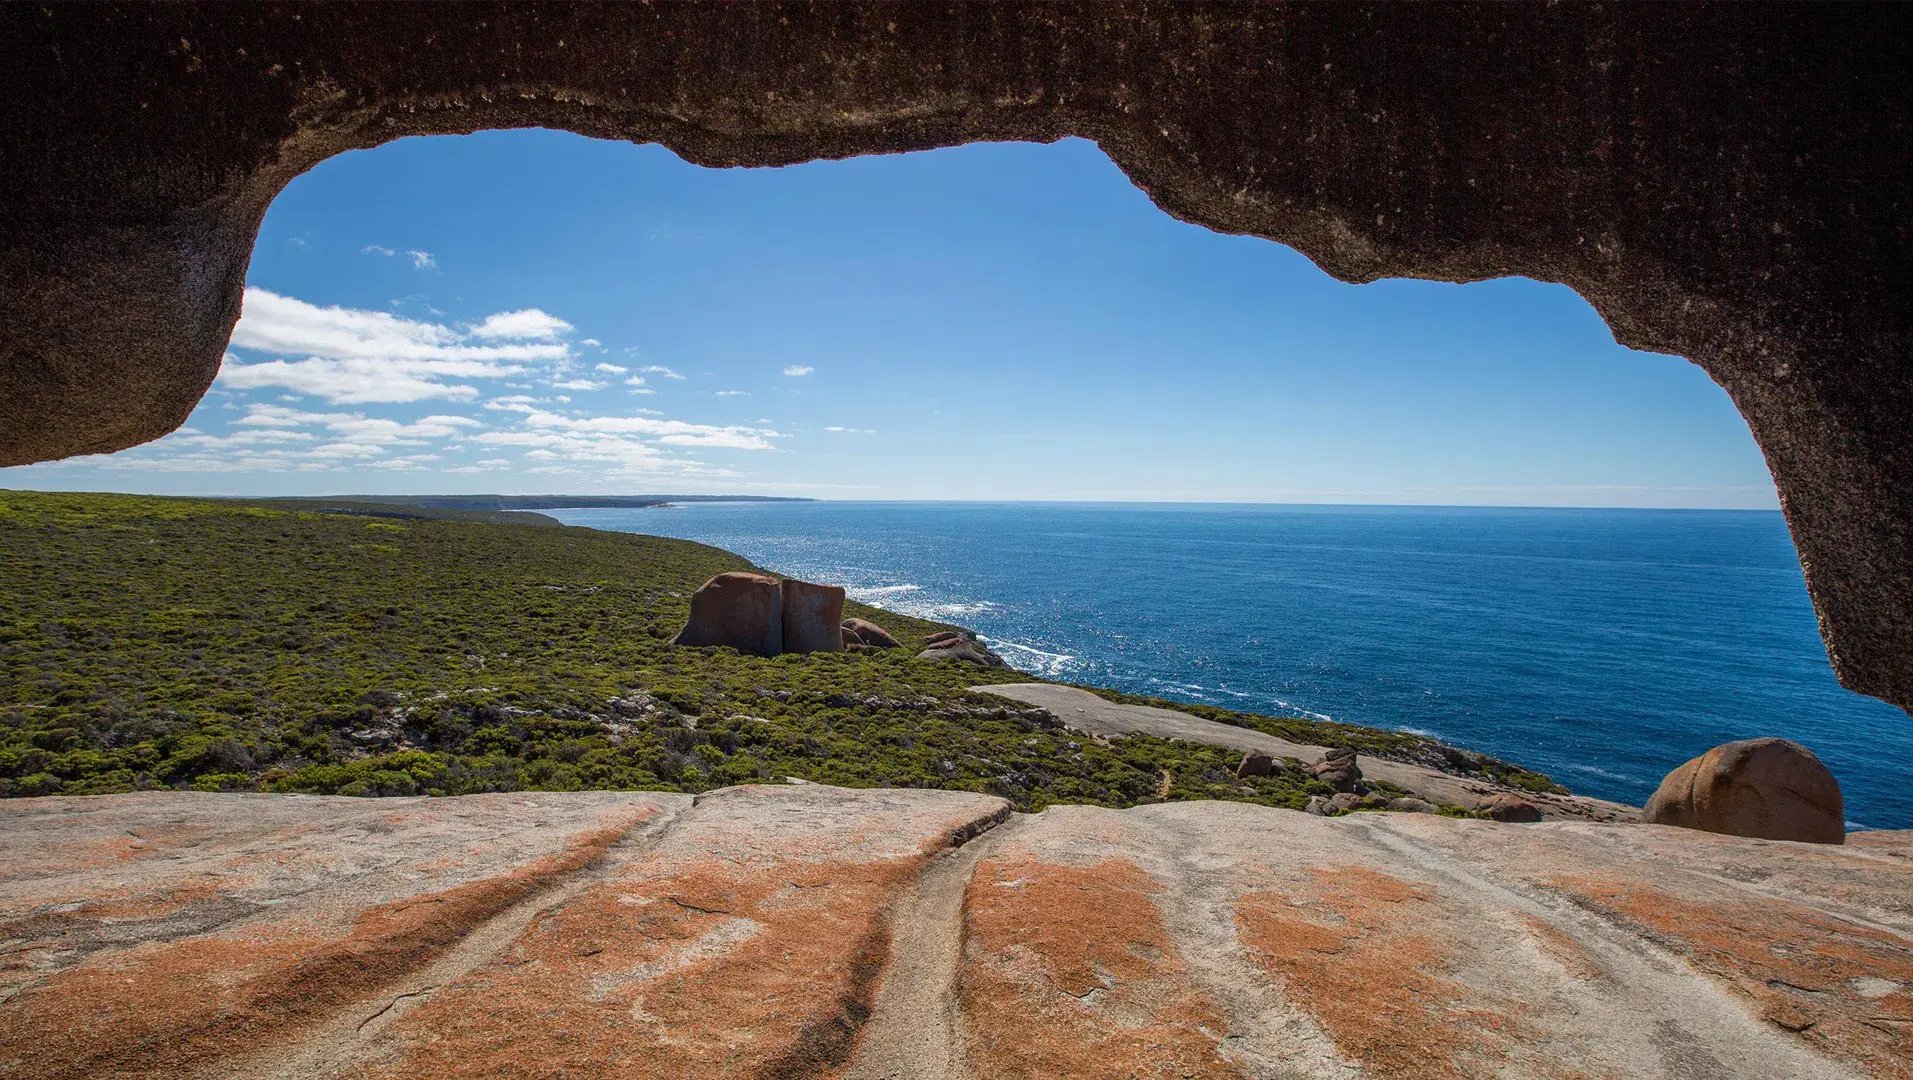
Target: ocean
{"x": 1603, "y": 647}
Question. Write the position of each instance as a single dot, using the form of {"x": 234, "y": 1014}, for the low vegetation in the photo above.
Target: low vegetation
{"x": 220, "y": 645}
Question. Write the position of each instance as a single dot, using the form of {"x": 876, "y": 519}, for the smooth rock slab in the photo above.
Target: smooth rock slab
{"x": 750, "y": 932}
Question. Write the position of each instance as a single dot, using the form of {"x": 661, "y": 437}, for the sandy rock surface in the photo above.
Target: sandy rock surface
{"x": 814, "y": 931}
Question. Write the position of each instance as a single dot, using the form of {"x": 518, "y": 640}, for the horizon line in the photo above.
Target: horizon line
{"x": 726, "y": 495}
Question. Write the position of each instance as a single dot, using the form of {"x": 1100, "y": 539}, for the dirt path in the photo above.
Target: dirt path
{"x": 914, "y": 1029}
{"x": 1083, "y": 711}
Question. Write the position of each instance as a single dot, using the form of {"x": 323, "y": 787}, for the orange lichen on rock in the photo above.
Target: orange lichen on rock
{"x": 1368, "y": 954}
{"x": 162, "y": 1007}
{"x": 674, "y": 969}
{"x": 153, "y": 905}
{"x": 1069, "y": 971}
{"x": 111, "y": 850}
{"x": 1561, "y": 947}
{"x": 1844, "y": 986}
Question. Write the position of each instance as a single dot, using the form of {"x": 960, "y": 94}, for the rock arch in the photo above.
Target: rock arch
{"x": 1723, "y": 183}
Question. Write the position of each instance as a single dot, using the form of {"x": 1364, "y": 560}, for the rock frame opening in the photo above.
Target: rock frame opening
{"x": 1720, "y": 183}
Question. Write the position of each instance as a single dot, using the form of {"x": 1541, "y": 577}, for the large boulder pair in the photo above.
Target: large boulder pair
{"x": 766, "y": 616}
{"x": 1772, "y": 789}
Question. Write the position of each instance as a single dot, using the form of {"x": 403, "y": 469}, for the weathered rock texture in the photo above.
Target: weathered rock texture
{"x": 956, "y": 647}
{"x": 867, "y": 633}
{"x": 813, "y": 617}
{"x": 1722, "y": 182}
{"x": 814, "y": 931}
{"x": 766, "y": 616}
{"x": 1769, "y": 788}
{"x": 743, "y": 611}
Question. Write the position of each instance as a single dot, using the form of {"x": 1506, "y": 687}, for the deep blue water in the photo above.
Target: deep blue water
{"x": 1603, "y": 647}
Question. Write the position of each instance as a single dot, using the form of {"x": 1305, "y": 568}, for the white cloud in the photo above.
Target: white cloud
{"x": 671, "y": 432}
{"x": 795, "y": 370}
{"x": 592, "y": 342}
{"x": 852, "y": 430}
{"x": 421, "y": 260}
{"x": 523, "y": 403}
{"x": 733, "y": 393}
{"x": 352, "y": 356}
{"x": 610, "y": 369}
{"x": 267, "y": 422}
{"x": 274, "y": 438}
{"x": 343, "y": 382}
{"x": 525, "y": 324}
{"x": 577, "y": 384}
{"x": 252, "y": 437}
{"x": 660, "y": 369}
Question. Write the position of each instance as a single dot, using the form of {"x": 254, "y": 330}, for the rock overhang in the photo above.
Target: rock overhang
{"x": 1722, "y": 183}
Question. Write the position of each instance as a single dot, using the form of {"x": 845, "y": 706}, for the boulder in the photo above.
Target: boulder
{"x": 942, "y": 637}
{"x": 868, "y": 633}
{"x": 1411, "y": 806}
{"x": 1767, "y": 788}
{"x": 1318, "y": 805}
{"x": 813, "y": 617}
{"x": 1510, "y": 807}
{"x": 742, "y": 610}
{"x": 1345, "y": 801}
{"x": 1338, "y": 770}
{"x": 1255, "y": 763}
{"x": 961, "y": 648}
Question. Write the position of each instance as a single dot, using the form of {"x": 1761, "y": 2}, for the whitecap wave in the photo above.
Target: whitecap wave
{"x": 1293, "y": 709}
{"x": 959, "y": 608}
{"x": 1595, "y": 770}
{"x": 1030, "y": 658}
{"x": 869, "y": 591}
{"x": 1187, "y": 688}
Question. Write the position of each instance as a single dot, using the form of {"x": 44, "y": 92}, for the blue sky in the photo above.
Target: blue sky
{"x": 534, "y": 312}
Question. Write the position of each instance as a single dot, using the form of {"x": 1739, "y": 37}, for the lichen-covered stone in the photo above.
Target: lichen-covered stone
{"x": 805, "y": 930}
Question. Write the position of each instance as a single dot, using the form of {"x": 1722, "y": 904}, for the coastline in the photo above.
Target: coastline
{"x": 1443, "y": 772}
{"x": 1602, "y": 649}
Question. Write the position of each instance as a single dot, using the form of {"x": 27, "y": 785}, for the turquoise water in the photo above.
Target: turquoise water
{"x": 1603, "y": 647}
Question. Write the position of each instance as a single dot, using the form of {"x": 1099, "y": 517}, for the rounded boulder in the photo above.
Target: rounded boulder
{"x": 865, "y": 632}
{"x": 1773, "y": 789}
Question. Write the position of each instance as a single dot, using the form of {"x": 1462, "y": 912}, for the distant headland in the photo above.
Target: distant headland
{"x": 531, "y": 502}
